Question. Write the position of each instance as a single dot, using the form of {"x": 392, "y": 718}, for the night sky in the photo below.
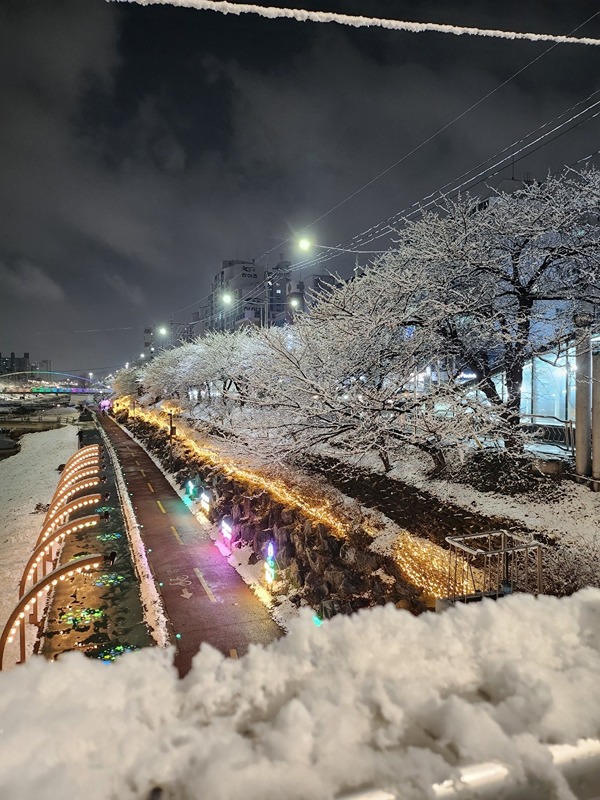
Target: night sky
{"x": 140, "y": 146}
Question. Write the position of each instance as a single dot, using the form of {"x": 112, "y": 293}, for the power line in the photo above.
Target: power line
{"x": 378, "y": 230}
{"x": 357, "y": 238}
{"x": 384, "y": 228}
{"x": 434, "y": 197}
{"x": 436, "y": 133}
{"x": 304, "y": 15}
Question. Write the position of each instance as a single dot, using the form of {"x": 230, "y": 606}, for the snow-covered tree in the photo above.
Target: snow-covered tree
{"x": 127, "y": 381}
{"x": 409, "y": 352}
{"x": 344, "y": 376}
{"x": 515, "y": 270}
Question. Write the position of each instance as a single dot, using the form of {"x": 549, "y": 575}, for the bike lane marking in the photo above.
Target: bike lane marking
{"x": 176, "y": 534}
{"x": 205, "y": 585}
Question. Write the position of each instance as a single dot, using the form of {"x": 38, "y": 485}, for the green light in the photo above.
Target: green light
{"x": 108, "y": 537}
{"x": 83, "y": 617}
{"x": 109, "y": 579}
{"x": 178, "y": 636}
{"x": 318, "y": 621}
{"x": 109, "y": 654}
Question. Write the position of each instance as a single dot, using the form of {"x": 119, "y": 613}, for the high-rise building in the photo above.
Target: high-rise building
{"x": 13, "y": 363}
{"x": 239, "y": 296}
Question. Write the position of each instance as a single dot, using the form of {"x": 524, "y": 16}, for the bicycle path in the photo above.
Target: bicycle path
{"x": 204, "y": 597}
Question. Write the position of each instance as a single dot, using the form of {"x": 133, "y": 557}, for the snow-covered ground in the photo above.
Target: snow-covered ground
{"x": 574, "y": 512}
{"x": 380, "y": 699}
{"x": 27, "y": 478}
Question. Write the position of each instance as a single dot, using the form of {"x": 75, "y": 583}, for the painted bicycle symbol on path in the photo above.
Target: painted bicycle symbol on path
{"x": 180, "y": 580}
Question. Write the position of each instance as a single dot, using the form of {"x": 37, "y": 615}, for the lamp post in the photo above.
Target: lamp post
{"x": 226, "y": 300}
{"x": 171, "y": 432}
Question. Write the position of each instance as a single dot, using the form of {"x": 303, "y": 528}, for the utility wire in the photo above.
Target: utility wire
{"x": 434, "y": 197}
{"x": 324, "y": 258}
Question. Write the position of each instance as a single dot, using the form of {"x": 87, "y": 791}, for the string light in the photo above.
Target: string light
{"x": 424, "y": 564}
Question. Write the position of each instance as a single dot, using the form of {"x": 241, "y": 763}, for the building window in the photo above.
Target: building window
{"x": 549, "y": 387}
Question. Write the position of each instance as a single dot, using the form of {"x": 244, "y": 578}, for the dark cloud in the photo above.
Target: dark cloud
{"x": 140, "y": 146}
{"x": 27, "y": 282}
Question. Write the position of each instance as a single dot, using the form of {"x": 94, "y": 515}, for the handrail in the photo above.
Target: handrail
{"x": 578, "y": 763}
{"x": 51, "y": 579}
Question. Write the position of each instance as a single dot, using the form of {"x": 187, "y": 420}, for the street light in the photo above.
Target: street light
{"x": 142, "y": 355}
{"x": 162, "y": 330}
{"x": 226, "y": 299}
{"x": 294, "y": 302}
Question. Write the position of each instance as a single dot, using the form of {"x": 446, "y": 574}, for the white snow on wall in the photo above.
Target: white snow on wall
{"x": 380, "y": 699}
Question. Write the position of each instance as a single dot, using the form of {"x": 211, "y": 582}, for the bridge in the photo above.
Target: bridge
{"x": 49, "y": 383}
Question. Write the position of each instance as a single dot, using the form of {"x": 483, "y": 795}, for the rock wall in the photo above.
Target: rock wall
{"x": 313, "y": 564}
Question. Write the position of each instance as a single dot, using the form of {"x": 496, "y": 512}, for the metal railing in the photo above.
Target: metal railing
{"x": 579, "y": 765}
{"x": 556, "y": 431}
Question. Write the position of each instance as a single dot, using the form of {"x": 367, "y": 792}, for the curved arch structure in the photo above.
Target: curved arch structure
{"x": 43, "y": 548}
{"x": 67, "y": 491}
{"x": 15, "y": 624}
{"x": 84, "y": 471}
{"x": 76, "y": 462}
{"x": 93, "y": 462}
{"x": 66, "y": 511}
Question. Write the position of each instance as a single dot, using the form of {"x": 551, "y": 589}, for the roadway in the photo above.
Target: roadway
{"x": 204, "y": 597}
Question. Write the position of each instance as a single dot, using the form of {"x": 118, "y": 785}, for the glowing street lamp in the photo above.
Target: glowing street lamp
{"x": 226, "y": 299}
{"x": 142, "y": 355}
{"x": 162, "y": 331}
{"x": 295, "y": 302}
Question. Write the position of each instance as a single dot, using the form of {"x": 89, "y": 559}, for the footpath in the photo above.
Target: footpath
{"x": 204, "y": 597}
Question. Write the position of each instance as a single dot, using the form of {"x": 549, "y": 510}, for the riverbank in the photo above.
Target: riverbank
{"x": 26, "y": 479}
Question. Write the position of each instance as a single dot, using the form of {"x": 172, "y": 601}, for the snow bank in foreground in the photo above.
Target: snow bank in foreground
{"x": 381, "y": 698}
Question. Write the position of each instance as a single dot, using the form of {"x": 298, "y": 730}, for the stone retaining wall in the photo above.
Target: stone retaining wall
{"x": 332, "y": 574}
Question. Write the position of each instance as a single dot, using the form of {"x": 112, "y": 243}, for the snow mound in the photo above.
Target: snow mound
{"x": 379, "y": 699}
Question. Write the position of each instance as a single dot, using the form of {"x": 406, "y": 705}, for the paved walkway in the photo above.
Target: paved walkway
{"x": 204, "y": 597}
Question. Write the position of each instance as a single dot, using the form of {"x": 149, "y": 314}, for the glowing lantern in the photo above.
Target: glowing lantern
{"x": 227, "y": 528}
{"x": 205, "y": 502}
{"x": 270, "y": 564}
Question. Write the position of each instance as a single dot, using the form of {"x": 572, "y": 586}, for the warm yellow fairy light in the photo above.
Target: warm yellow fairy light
{"x": 423, "y": 563}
